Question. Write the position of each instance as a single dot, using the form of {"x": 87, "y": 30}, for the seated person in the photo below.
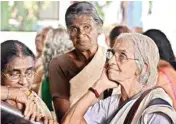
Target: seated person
{"x": 133, "y": 66}
{"x": 17, "y": 76}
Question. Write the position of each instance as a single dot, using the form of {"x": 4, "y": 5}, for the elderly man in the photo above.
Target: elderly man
{"x": 133, "y": 66}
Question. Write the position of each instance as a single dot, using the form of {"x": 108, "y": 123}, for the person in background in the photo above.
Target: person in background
{"x": 17, "y": 77}
{"x": 167, "y": 64}
{"x": 133, "y": 65}
{"x": 39, "y": 43}
{"x": 66, "y": 72}
{"x": 115, "y": 32}
{"x": 57, "y": 43}
{"x": 164, "y": 46}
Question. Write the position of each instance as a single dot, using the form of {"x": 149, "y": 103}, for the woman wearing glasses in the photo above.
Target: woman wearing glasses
{"x": 17, "y": 76}
{"x": 133, "y": 66}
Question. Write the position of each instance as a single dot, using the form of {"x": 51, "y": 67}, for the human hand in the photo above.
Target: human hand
{"x": 104, "y": 83}
{"x": 18, "y": 94}
{"x": 34, "y": 113}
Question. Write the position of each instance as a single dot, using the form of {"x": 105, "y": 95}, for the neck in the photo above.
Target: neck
{"x": 127, "y": 91}
{"x": 39, "y": 54}
{"x": 86, "y": 56}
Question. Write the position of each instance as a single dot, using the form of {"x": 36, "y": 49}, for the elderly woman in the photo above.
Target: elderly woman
{"x": 133, "y": 66}
{"x": 39, "y": 44}
{"x": 67, "y": 72}
{"x": 57, "y": 43}
{"x": 17, "y": 76}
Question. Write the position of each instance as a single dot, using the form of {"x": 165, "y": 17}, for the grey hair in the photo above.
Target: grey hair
{"x": 82, "y": 8}
{"x": 145, "y": 51}
{"x": 57, "y": 43}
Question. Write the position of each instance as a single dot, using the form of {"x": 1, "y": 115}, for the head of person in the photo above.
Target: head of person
{"x": 39, "y": 40}
{"x": 163, "y": 44}
{"x": 17, "y": 64}
{"x": 83, "y": 24}
{"x": 115, "y": 32}
{"x": 57, "y": 43}
{"x": 134, "y": 62}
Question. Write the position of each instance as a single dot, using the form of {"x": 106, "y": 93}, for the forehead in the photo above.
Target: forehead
{"x": 21, "y": 63}
{"x": 125, "y": 45}
{"x": 82, "y": 19}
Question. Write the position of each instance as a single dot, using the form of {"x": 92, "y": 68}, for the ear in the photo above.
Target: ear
{"x": 137, "y": 72}
{"x": 146, "y": 67}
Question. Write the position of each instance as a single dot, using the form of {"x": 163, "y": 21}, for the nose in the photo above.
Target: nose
{"x": 81, "y": 32}
{"x": 23, "y": 81}
{"x": 112, "y": 60}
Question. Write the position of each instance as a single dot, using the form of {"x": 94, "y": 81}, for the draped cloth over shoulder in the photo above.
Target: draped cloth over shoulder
{"x": 142, "y": 114}
{"x": 41, "y": 106}
{"x": 87, "y": 76}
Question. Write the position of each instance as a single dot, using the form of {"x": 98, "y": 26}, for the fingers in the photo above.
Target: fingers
{"x": 46, "y": 120}
{"x": 29, "y": 111}
{"x": 39, "y": 117}
{"x": 34, "y": 112}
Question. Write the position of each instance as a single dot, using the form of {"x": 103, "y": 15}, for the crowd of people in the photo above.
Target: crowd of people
{"x": 73, "y": 79}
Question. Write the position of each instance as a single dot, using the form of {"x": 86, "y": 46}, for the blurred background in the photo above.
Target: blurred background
{"x": 21, "y": 20}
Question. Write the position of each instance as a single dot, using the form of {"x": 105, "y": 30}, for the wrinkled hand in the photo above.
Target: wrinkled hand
{"x": 19, "y": 94}
{"x": 104, "y": 83}
{"x": 33, "y": 113}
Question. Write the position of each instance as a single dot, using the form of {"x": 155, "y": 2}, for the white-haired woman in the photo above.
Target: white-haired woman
{"x": 133, "y": 66}
{"x": 57, "y": 43}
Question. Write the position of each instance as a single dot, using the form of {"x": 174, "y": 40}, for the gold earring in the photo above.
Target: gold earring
{"x": 137, "y": 72}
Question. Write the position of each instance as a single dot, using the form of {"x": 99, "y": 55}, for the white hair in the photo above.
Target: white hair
{"x": 146, "y": 51}
{"x": 57, "y": 43}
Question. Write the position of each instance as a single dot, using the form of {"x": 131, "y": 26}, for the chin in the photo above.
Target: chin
{"x": 82, "y": 48}
{"x": 111, "y": 76}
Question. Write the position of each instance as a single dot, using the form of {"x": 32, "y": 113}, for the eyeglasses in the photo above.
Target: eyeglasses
{"x": 75, "y": 30}
{"x": 17, "y": 76}
{"x": 122, "y": 57}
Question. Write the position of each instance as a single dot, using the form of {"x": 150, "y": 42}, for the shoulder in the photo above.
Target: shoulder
{"x": 61, "y": 60}
{"x": 159, "y": 111}
{"x": 158, "y": 118}
{"x": 106, "y": 105}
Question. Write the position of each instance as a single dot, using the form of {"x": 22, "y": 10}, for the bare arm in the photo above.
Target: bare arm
{"x": 61, "y": 107}
{"x": 59, "y": 87}
{"x": 18, "y": 94}
{"x": 76, "y": 114}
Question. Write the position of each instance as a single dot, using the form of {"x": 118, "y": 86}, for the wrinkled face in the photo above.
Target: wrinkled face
{"x": 40, "y": 40}
{"x": 19, "y": 72}
{"x": 122, "y": 66}
{"x": 83, "y": 32}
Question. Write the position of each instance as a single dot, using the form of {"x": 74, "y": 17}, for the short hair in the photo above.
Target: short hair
{"x": 57, "y": 43}
{"x": 115, "y": 32}
{"x": 163, "y": 44}
{"x": 13, "y": 48}
{"x": 82, "y": 8}
{"x": 145, "y": 51}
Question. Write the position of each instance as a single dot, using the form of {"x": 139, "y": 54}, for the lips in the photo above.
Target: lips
{"x": 82, "y": 43}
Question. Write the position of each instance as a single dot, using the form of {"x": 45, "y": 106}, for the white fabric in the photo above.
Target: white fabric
{"x": 103, "y": 110}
